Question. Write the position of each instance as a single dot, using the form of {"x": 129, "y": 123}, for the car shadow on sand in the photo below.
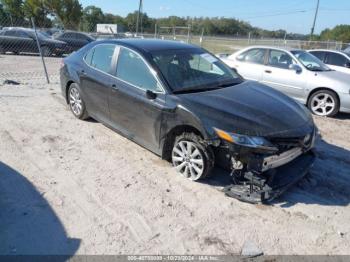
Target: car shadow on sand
{"x": 327, "y": 183}
{"x": 342, "y": 116}
{"x": 28, "y": 225}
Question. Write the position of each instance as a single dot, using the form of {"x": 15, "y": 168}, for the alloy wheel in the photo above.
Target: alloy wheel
{"x": 322, "y": 104}
{"x": 188, "y": 160}
{"x": 75, "y": 101}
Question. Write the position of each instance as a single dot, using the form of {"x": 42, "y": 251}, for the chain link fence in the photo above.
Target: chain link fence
{"x": 38, "y": 46}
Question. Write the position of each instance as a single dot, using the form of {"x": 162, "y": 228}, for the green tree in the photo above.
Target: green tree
{"x": 130, "y": 21}
{"x": 114, "y": 19}
{"x": 69, "y": 12}
{"x": 14, "y": 10}
{"x": 338, "y": 33}
{"x": 37, "y": 10}
{"x": 4, "y": 17}
{"x": 92, "y": 16}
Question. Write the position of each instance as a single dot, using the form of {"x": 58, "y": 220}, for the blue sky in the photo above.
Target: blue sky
{"x": 291, "y": 15}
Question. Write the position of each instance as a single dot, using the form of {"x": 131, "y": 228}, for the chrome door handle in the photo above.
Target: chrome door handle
{"x": 268, "y": 71}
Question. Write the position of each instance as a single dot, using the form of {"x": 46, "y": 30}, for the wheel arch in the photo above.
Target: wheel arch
{"x": 69, "y": 83}
{"x": 173, "y": 133}
{"x": 322, "y": 88}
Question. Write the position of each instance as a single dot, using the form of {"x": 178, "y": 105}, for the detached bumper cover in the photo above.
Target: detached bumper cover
{"x": 270, "y": 185}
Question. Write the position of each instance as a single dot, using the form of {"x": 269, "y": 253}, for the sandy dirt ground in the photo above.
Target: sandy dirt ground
{"x": 77, "y": 187}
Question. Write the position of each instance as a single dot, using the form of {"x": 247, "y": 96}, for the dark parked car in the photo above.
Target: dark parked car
{"x": 183, "y": 104}
{"x": 20, "y": 40}
{"x": 74, "y": 40}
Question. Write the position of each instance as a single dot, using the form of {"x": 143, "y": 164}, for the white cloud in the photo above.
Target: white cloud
{"x": 164, "y": 8}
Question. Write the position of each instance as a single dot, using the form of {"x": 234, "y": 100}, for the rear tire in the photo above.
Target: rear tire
{"x": 191, "y": 158}
{"x": 76, "y": 102}
{"x": 324, "y": 103}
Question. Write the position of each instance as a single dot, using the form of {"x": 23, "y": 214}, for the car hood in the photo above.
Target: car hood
{"x": 332, "y": 78}
{"x": 250, "y": 108}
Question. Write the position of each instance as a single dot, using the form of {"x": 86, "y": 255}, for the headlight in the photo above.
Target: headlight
{"x": 247, "y": 141}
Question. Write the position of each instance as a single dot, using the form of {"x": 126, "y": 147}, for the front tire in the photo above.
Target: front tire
{"x": 324, "y": 103}
{"x": 191, "y": 158}
{"x": 76, "y": 103}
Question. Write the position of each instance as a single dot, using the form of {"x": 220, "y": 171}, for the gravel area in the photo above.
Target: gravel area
{"x": 76, "y": 187}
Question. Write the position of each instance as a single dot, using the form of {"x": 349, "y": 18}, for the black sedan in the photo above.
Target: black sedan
{"x": 74, "y": 40}
{"x": 21, "y": 40}
{"x": 182, "y": 103}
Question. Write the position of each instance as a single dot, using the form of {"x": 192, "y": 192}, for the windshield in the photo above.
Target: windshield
{"x": 347, "y": 54}
{"x": 311, "y": 62}
{"x": 194, "y": 70}
{"x": 41, "y": 35}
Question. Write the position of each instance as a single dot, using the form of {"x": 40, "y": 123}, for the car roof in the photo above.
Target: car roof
{"x": 17, "y": 28}
{"x": 330, "y": 51}
{"x": 289, "y": 49}
{"x": 150, "y": 45}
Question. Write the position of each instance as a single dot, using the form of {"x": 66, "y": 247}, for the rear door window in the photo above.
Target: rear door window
{"x": 81, "y": 37}
{"x": 255, "y": 56}
{"x": 22, "y": 34}
{"x": 68, "y": 35}
{"x": 10, "y": 33}
{"x": 101, "y": 57}
{"x": 336, "y": 59}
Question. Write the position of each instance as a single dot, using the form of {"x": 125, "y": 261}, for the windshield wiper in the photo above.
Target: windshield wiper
{"x": 228, "y": 84}
{"x": 316, "y": 70}
{"x": 203, "y": 89}
{"x": 193, "y": 90}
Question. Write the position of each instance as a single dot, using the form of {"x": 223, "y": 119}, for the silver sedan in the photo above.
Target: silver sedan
{"x": 296, "y": 73}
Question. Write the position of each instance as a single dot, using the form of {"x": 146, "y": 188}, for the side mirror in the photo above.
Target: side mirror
{"x": 347, "y": 65}
{"x": 295, "y": 67}
{"x": 151, "y": 95}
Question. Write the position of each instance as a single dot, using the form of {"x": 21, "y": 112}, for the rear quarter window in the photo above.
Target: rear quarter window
{"x": 89, "y": 55}
{"x": 100, "y": 57}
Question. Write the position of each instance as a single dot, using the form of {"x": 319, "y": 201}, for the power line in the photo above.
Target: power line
{"x": 279, "y": 14}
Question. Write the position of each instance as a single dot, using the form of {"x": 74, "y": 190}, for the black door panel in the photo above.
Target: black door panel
{"x": 138, "y": 116}
{"x": 95, "y": 87}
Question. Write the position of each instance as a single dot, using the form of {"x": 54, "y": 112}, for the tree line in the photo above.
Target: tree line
{"x": 69, "y": 14}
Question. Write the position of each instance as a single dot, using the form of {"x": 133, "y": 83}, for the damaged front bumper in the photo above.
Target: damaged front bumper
{"x": 277, "y": 175}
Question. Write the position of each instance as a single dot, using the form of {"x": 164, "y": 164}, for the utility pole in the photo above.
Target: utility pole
{"x": 138, "y": 17}
{"x": 315, "y": 18}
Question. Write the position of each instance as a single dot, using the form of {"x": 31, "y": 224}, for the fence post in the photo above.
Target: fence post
{"x": 40, "y": 52}
{"x": 155, "y": 30}
{"x": 201, "y": 38}
{"x": 189, "y": 33}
